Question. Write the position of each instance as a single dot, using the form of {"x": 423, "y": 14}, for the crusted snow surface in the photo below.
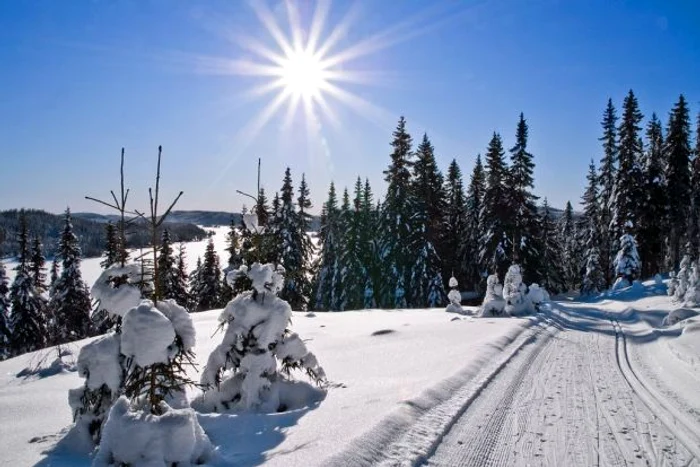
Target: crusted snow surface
{"x": 142, "y": 439}
{"x": 147, "y": 335}
{"x": 117, "y": 299}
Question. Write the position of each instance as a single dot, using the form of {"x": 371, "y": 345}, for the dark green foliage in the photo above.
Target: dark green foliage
{"x": 475, "y": 232}
{"x": 593, "y": 278}
{"x": 551, "y": 276}
{"x": 694, "y": 227}
{"x": 608, "y": 169}
{"x": 207, "y": 290}
{"x": 5, "y": 335}
{"x": 70, "y": 300}
{"x": 569, "y": 242}
{"x": 170, "y": 280}
{"x": 37, "y": 266}
{"x": 112, "y": 247}
{"x": 495, "y": 254}
{"x": 677, "y": 171}
{"x": 325, "y": 280}
{"x": 455, "y": 232}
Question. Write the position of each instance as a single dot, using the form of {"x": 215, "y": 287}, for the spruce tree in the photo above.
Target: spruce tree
{"x": 304, "y": 219}
{"x": 341, "y": 294}
{"x": 351, "y": 266}
{"x": 70, "y": 301}
{"x": 208, "y": 281}
{"x": 37, "y": 266}
{"x": 454, "y": 227}
{"x": 327, "y": 262}
{"x": 551, "y": 275}
{"x": 652, "y": 221}
{"x": 55, "y": 271}
{"x": 369, "y": 246}
{"x": 496, "y": 247}
{"x": 677, "y": 170}
{"x": 112, "y": 250}
{"x": 194, "y": 281}
{"x": 593, "y": 277}
{"x": 395, "y": 225}
{"x": 5, "y": 334}
{"x": 168, "y": 279}
{"x": 426, "y": 286}
{"x": 28, "y": 320}
{"x": 608, "y": 169}
{"x": 568, "y": 240}
{"x": 694, "y": 227}
{"x": 628, "y": 190}
{"x": 522, "y": 228}
{"x": 262, "y": 210}
{"x": 292, "y": 245}
{"x": 180, "y": 293}
{"x": 475, "y": 231}
{"x": 233, "y": 263}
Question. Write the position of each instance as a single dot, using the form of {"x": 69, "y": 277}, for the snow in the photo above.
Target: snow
{"x": 117, "y": 299}
{"x": 98, "y": 362}
{"x": 147, "y": 335}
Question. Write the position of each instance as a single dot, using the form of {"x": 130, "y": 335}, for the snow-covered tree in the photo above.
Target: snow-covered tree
{"x": 55, "y": 270}
{"x": 455, "y": 232}
{"x": 515, "y": 292}
{"x": 551, "y": 259}
{"x": 570, "y": 257}
{"x": 28, "y": 320}
{"x": 168, "y": 274}
{"x": 37, "y": 266}
{"x": 180, "y": 293}
{"x": 5, "y": 334}
{"x": 694, "y": 221}
{"x": 495, "y": 246}
{"x": 677, "y": 154}
{"x": 70, "y": 301}
{"x": 455, "y": 298}
{"x": 627, "y": 263}
{"x": 692, "y": 294}
{"x": 325, "y": 285}
{"x": 680, "y": 281}
{"x": 493, "y": 304}
{"x": 369, "y": 245}
{"x": 351, "y": 262}
{"x": 251, "y": 368}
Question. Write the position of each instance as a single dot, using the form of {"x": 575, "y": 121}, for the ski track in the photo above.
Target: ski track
{"x": 569, "y": 397}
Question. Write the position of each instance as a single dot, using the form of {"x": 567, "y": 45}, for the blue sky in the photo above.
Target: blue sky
{"x": 81, "y": 79}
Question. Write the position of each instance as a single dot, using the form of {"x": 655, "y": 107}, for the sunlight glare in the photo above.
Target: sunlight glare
{"x": 303, "y": 74}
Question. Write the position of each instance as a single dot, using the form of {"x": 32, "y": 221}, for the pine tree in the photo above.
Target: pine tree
{"x": 341, "y": 294}
{"x": 426, "y": 286}
{"x": 54, "y": 273}
{"x": 168, "y": 275}
{"x": 28, "y": 318}
{"x": 627, "y": 262}
{"x": 352, "y": 270}
{"x": 677, "y": 171}
{"x": 208, "y": 291}
{"x": 304, "y": 219}
{"x": 5, "y": 334}
{"x": 112, "y": 249}
{"x": 523, "y": 223}
{"x": 37, "y": 266}
{"x": 608, "y": 169}
{"x": 475, "y": 232}
{"x": 694, "y": 227}
{"x": 652, "y": 218}
{"x": 70, "y": 301}
{"x": 496, "y": 247}
{"x": 568, "y": 240}
{"x": 194, "y": 281}
{"x": 262, "y": 210}
{"x": 593, "y": 278}
{"x": 454, "y": 227}
{"x": 292, "y": 245}
{"x": 625, "y": 205}
{"x": 369, "y": 246}
{"x": 395, "y": 241}
{"x": 180, "y": 293}
{"x": 551, "y": 273}
{"x": 327, "y": 263}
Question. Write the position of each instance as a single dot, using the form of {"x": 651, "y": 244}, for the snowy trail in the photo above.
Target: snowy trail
{"x": 570, "y": 398}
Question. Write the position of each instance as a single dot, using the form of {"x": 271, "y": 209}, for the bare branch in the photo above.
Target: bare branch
{"x": 101, "y": 202}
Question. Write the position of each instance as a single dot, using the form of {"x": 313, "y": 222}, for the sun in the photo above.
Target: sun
{"x": 303, "y": 74}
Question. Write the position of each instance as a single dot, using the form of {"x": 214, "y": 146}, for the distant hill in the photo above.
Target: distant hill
{"x": 89, "y": 228}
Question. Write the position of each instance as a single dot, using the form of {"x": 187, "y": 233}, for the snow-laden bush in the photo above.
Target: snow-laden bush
{"x": 627, "y": 263}
{"x": 455, "y": 298}
{"x": 116, "y": 290}
{"x": 692, "y": 294}
{"x": 680, "y": 281}
{"x": 515, "y": 293}
{"x": 493, "y": 304}
{"x": 537, "y": 295}
{"x": 251, "y": 368}
{"x": 141, "y": 438}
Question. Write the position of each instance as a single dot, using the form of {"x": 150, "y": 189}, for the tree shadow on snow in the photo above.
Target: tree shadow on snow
{"x": 246, "y": 438}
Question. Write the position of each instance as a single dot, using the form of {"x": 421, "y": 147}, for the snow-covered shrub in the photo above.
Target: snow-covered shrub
{"x": 627, "y": 263}
{"x": 251, "y": 368}
{"x": 537, "y": 295}
{"x": 493, "y": 304}
{"x": 692, "y": 294}
{"x": 515, "y": 292}
{"x": 678, "y": 315}
{"x": 455, "y": 298}
{"x": 680, "y": 281}
{"x": 141, "y": 438}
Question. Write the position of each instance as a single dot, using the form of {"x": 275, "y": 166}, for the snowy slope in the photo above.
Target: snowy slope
{"x": 374, "y": 375}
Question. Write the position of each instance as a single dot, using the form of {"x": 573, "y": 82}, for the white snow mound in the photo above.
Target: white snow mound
{"x": 147, "y": 335}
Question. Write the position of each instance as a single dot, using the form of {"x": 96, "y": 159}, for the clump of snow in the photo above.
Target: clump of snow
{"x": 692, "y": 294}
{"x": 98, "y": 363}
{"x": 139, "y": 438}
{"x": 515, "y": 292}
{"x": 493, "y": 304}
{"x": 242, "y": 372}
{"x": 678, "y": 315}
{"x": 147, "y": 335}
{"x": 537, "y": 295}
{"x": 115, "y": 289}
{"x": 627, "y": 263}
{"x": 181, "y": 321}
{"x": 455, "y": 298}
